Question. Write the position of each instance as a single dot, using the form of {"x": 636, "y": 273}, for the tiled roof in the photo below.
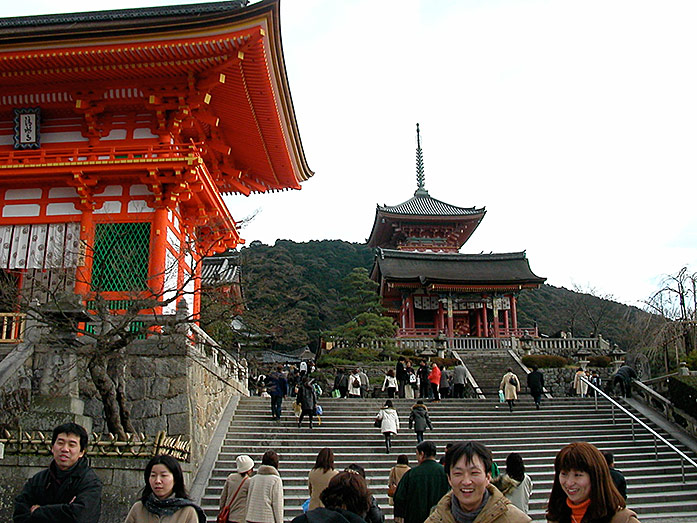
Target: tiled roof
{"x": 422, "y": 204}
{"x": 476, "y": 269}
{"x": 221, "y": 269}
{"x": 123, "y": 14}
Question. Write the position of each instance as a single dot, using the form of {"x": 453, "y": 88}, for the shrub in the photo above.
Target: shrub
{"x": 691, "y": 360}
{"x": 544, "y": 361}
{"x": 683, "y": 393}
{"x": 599, "y": 361}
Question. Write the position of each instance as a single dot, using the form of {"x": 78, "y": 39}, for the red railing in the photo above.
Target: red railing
{"x": 12, "y": 327}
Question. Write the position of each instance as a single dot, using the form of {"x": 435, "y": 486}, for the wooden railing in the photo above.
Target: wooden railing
{"x": 12, "y": 325}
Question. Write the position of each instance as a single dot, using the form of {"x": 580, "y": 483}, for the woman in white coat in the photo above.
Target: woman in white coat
{"x": 265, "y": 494}
{"x": 389, "y": 423}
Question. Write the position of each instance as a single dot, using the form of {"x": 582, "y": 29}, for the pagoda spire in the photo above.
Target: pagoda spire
{"x": 420, "y": 176}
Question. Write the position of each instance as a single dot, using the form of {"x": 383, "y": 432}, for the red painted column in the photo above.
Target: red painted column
{"x": 451, "y": 321}
{"x": 158, "y": 245}
{"x": 505, "y": 320}
{"x": 514, "y": 312}
{"x": 485, "y": 322}
{"x": 83, "y": 274}
{"x": 440, "y": 318}
{"x": 411, "y": 322}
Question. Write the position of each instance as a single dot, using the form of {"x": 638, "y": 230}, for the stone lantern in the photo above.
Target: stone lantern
{"x": 617, "y": 356}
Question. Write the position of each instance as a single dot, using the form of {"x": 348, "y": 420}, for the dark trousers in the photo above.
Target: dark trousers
{"x": 459, "y": 390}
{"x": 390, "y": 392}
{"x": 424, "y": 388}
{"x": 537, "y": 397}
{"x": 388, "y": 441}
{"x": 419, "y": 436}
{"x": 400, "y": 390}
{"x": 302, "y": 415}
{"x": 276, "y": 406}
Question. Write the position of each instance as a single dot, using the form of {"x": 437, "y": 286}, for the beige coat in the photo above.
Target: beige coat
{"x": 139, "y": 514}
{"x": 509, "y": 390}
{"x": 265, "y": 496}
{"x": 497, "y": 510}
{"x": 238, "y": 509}
{"x": 317, "y": 481}
{"x": 623, "y": 515}
{"x": 396, "y": 474}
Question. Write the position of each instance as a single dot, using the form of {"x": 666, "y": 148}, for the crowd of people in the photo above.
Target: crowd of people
{"x": 463, "y": 487}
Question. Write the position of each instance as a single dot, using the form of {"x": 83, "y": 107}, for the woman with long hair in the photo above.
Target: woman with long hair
{"x": 583, "y": 490}
{"x": 515, "y": 484}
{"x": 320, "y": 475}
{"x": 164, "y": 498}
{"x": 390, "y": 383}
{"x": 346, "y": 500}
{"x": 388, "y": 419}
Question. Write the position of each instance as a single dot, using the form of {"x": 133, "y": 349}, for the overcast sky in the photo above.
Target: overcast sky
{"x": 573, "y": 122}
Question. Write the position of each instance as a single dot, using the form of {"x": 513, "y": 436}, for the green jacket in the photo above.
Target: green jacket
{"x": 498, "y": 509}
{"x": 419, "y": 490}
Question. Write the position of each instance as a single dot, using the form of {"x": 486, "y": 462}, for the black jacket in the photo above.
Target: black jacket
{"x": 536, "y": 382}
{"x": 328, "y": 515}
{"x": 65, "y": 497}
{"x": 307, "y": 398}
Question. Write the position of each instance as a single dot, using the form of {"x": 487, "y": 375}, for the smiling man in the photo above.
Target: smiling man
{"x": 68, "y": 490}
{"x": 473, "y": 499}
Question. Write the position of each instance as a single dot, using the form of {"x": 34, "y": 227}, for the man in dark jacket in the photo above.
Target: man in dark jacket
{"x": 536, "y": 385}
{"x": 401, "y": 375}
{"x": 623, "y": 378}
{"x": 421, "y": 487}
{"x": 277, "y": 387}
{"x": 617, "y": 477}
{"x": 68, "y": 490}
{"x": 424, "y": 386}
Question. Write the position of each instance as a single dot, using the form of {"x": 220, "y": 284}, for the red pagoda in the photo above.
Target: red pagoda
{"x": 428, "y": 286}
{"x": 120, "y": 132}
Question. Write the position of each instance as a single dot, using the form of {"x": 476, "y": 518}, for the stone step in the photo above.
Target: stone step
{"x": 654, "y": 486}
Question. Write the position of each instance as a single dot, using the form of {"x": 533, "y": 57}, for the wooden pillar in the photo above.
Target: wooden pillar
{"x": 158, "y": 246}
{"x": 83, "y": 274}
{"x": 514, "y": 312}
{"x": 411, "y": 321}
{"x": 451, "y": 323}
{"x": 440, "y": 319}
{"x": 485, "y": 322}
{"x": 505, "y": 320}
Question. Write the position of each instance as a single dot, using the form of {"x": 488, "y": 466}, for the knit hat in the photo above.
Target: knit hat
{"x": 244, "y": 463}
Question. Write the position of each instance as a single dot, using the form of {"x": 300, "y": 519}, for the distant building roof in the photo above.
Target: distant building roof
{"x": 220, "y": 269}
{"x": 422, "y": 204}
{"x": 474, "y": 269}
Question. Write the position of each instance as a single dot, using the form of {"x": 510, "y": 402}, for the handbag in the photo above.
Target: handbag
{"x": 377, "y": 423}
{"x": 225, "y": 511}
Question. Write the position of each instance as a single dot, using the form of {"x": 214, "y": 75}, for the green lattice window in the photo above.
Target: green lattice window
{"x": 121, "y": 257}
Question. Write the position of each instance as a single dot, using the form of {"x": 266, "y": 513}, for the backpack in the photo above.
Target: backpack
{"x": 356, "y": 383}
{"x": 513, "y": 381}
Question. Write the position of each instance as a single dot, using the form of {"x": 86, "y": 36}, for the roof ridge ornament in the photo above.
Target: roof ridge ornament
{"x": 420, "y": 176}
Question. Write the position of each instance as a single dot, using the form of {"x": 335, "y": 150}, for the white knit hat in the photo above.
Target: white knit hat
{"x": 244, "y": 463}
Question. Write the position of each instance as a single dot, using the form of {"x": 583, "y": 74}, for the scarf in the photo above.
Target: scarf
{"x": 467, "y": 517}
{"x": 168, "y": 506}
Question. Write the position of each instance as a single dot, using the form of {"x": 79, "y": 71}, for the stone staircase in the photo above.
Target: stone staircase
{"x": 655, "y": 488}
{"x": 489, "y": 367}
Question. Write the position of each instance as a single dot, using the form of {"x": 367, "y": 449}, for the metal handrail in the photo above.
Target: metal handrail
{"x": 656, "y": 436}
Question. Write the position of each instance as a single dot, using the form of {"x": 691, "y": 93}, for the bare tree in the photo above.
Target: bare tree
{"x": 101, "y": 330}
{"x": 675, "y": 302}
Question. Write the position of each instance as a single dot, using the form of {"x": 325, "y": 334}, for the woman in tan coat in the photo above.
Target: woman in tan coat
{"x": 510, "y": 385}
{"x": 164, "y": 498}
{"x": 235, "y": 490}
{"x": 320, "y": 475}
{"x": 396, "y": 474}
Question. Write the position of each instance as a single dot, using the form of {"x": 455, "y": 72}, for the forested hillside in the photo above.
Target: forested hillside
{"x": 292, "y": 291}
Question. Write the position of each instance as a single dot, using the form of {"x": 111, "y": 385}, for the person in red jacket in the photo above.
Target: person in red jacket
{"x": 434, "y": 380}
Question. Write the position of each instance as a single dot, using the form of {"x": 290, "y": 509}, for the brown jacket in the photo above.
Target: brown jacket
{"x": 138, "y": 514}
{"x": 497, "y": 510}
{"x": 623, "y": 515}
{"x": 238, "y": 509}
{"x": 396, "y": 474}
{"x": 317, "y": 481}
